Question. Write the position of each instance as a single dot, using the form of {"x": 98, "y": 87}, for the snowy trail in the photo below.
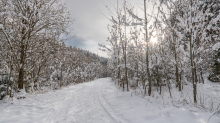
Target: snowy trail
{"x": 75, "y": 104}
{"x": 98, "y": 101}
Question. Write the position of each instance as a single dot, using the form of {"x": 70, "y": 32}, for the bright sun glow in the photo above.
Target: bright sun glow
{"x": 153, "y": 40}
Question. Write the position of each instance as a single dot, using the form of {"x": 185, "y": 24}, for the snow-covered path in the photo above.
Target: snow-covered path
{"x": 76, "y": 104}
{"x": 98, "y": 101}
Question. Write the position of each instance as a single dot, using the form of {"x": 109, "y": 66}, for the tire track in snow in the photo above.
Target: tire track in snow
{"x": 61, "y": 112}
{"x": 109, "y": 110}
{"x": 83, "y": 106}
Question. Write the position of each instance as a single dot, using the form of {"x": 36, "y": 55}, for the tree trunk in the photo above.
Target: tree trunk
{"x": 123, "y": 84}
{"x": 160, "y": 88}
{"x": 22, "y": 58}
{"x": 147, "y": 53}
{"x": 137, "y": 73}
{"x": 126, "y": 72}
{"x": 61, "y": 75}
{"x": 9, "y": 81}
{"x": 196, "y": 78}
{"x": 168, "y": 83}
{"x": 195, "y": 83}
{"x": 201, "y": 76}
{"x": 157, "y": 75}
{"x": 119, "y": 71}
{"x": 125, "y": 54}
{"x": 119, "y": 76}
{"x": 137, "y": 77}
{"x": 192, "y": 57}
{"x": 21, "y": 70}
{"x": 12, "y": 86}
{"x": 177, "y": 72}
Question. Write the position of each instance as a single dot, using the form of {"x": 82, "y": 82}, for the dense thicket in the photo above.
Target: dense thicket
{"x": 171, "y": 42}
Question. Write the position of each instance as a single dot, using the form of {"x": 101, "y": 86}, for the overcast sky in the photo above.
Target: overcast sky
{"x": 90, "y": 23}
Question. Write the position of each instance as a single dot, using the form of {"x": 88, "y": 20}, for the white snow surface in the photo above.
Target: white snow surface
{"x": 98, "y": 101}
{"x": 1, "y": 26}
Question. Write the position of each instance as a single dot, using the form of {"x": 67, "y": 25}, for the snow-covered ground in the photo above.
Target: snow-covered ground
{"x": 98, "y": 101}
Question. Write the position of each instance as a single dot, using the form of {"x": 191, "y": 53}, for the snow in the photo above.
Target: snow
{"x": 148, "y": 110}
{"x": 1, "y": 26}
{"x": 98, "y": 101}
{"x": 216, "y": 46}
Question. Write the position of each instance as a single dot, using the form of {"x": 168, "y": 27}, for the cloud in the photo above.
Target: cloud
{"x": 90, "y": 24}
{"x": 90, "y": 45}
{"x": 77, "y": 42}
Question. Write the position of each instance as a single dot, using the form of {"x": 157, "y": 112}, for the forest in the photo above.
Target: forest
{"x": 167, "y": 44}
{"x": 33, "y": 54}
{"x": 166, "y": 52}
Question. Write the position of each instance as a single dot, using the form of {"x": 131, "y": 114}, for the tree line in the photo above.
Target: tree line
{"x": 32, "y": 49}
{"x": 160, "y": 43}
